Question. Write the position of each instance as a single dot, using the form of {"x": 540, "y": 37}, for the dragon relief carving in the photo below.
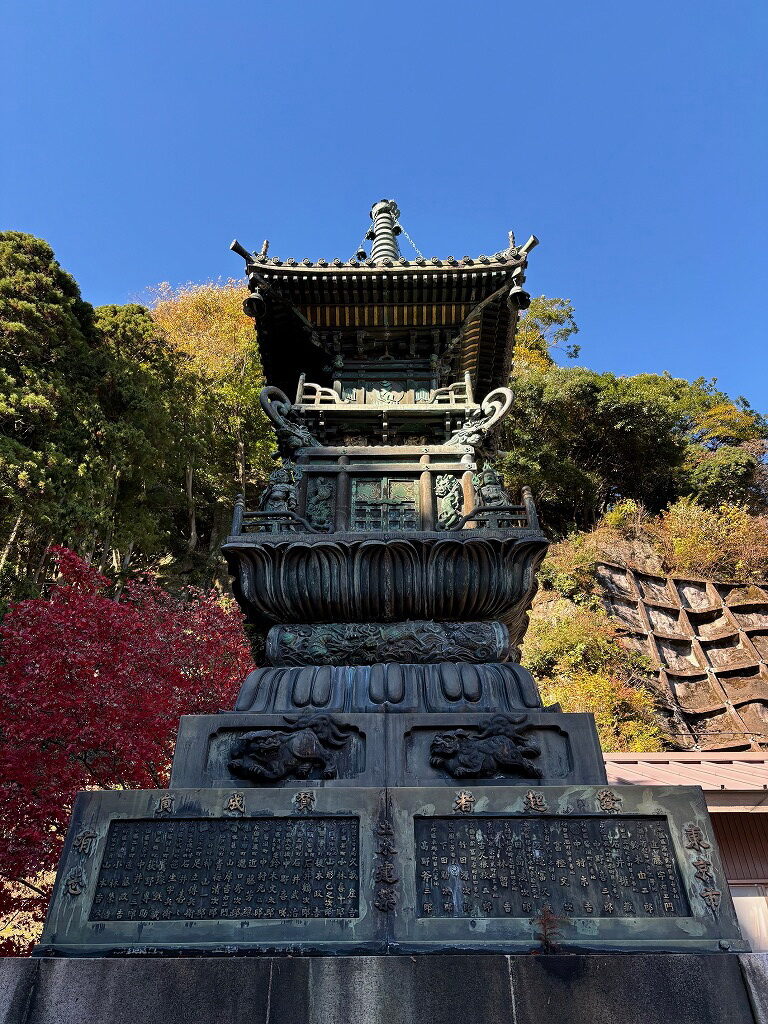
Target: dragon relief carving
{"x": 293, "y": 435}
{"x": 415, "y": 642}
{"x": 481, "y": 421}
{"x": 320, "y": 502}
{"x": 306, "y": 744}
{"x": 495, "y": 750}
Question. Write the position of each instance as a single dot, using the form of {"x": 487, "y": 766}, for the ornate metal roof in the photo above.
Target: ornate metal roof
{"x": 463, "y": 311}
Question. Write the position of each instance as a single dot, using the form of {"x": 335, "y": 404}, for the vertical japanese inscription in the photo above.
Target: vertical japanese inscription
{"x": 578, "y": 866}
{"x": 203, "y": 869}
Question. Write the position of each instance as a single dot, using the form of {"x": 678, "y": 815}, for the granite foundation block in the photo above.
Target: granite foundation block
{"x": 718, "y": 988}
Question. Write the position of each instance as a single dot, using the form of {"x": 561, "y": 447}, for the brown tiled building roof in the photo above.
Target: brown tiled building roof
{"x": 714, "y": 772}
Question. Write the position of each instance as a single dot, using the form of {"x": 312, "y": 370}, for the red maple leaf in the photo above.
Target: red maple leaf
{"x": 92, "y": 689}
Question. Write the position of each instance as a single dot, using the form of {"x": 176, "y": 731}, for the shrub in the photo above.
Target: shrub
{"x": 569, "y": 569}
{"x": 725, "y": 542}
{"x": 629, "y": 517}
{"x": 625, "y": 714}
{"x": 577, "y": 657}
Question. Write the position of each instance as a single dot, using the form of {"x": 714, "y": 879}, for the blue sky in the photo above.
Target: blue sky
{"x": 631, "y": 138}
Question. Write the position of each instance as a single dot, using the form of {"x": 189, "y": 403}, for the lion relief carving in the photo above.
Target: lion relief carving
{"x": 494, "y": 750}
{"x": 306, "y": 745}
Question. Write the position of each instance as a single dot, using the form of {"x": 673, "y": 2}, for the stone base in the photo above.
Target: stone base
{"x": 677, "y": 988}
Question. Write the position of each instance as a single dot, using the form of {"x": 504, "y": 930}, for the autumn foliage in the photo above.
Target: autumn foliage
{"x": 92, "y": 690}
{"x": 574, "y": 653}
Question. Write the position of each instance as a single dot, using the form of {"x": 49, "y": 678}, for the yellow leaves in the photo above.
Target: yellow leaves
{"x": 625, "y": 715}
{"x": 725, "y": 542}
{"x": 207, "y": 322}
{"x": 564, "y": 638}
{"x": 726, "y": 423}
{"x": 627, "y": 516}
{"x": 547, "y": 324}
{"x": 526, "y": 358}
{"x": 578, "y": 661}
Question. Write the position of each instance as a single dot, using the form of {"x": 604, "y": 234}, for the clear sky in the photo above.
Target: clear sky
{"x": 632, "y": 138}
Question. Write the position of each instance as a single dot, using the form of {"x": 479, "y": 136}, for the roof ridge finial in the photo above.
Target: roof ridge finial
{"x": 385, "y": 228}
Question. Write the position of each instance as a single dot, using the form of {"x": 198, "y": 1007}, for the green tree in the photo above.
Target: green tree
{"x": 728, "y": 474}
{"x": 139, "y": 452}
{"x": 50, "y": 366}
{"x": 95, "y": 431}
{"x": 124, "y": 433}
{"x": 546, "y": 326}
{"x": 585, "y": 440}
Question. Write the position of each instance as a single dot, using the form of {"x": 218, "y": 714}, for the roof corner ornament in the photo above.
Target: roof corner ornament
{"x": 241, "y": 251}
{"x": 479, "y": 423}
{"x": 292, "y": 435}
{"x": 250, "y": 257}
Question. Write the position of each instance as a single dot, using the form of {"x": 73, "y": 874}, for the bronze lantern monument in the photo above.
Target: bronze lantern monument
{"x": 389, "y": 783}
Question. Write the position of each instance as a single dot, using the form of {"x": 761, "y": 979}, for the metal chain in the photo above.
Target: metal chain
{"x": 413, "y": 244}
{"x": 417, "y": 250}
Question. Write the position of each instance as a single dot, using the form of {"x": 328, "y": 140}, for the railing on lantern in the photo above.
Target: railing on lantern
{"x": 483, "y": 517}
{"x": 244, "y": 522}
{"x": 458, "y": 394}
{"x": 504, "y": 517}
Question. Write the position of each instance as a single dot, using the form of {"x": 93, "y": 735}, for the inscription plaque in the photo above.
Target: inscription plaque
{"x": 202, "y": 869}
{"x": 503, "y": 866}
{"x": 376, "y": 870}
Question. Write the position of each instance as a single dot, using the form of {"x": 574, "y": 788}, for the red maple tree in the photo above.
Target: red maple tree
{"x": 91, "y": 690}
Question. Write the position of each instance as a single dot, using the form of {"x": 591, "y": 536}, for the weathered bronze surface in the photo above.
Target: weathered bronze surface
{"x": 370, "y": 750}
{"x": 463, "y": 867}
{"x": 460, "y": 576}
{"x": 304, "y": 745}
{"x": 495, "y": 749}
{"x": 385, "y": 507}
{"x": 371, "y": 643}
{"x": 448, "y": 686}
